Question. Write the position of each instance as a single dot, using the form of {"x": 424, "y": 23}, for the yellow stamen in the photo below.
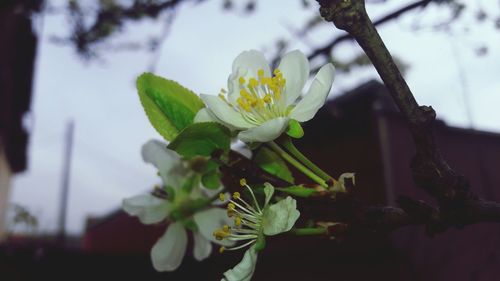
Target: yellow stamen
{"x": 253, "y": 83}
{"x": 222, "y": 249}
{"x": 226, "y": 228}
{"x": 222, "y": 197}
{"x": 248, "y": 98}
{"x": 260, "y": 73}
{"x": 276, "y": 71}
{"x": 243, "y": 182}
{"x": 230, "y": 207}
{"x": 220, "y": 234}
{"x": 237, "y": 221}
{"x": 242, "y": 80}
{"x": 222, "y": 97}
{"x": 236, "y": 195}
{"x": 243, "y": 104}
{"x": 267, "y": 98}
{"x": 266, "y": 81}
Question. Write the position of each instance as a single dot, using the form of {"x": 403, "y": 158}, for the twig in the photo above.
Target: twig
{"x": 458, "y": 205}
{"x": 326, "y": 50}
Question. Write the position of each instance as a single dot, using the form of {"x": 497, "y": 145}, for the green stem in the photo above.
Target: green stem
{"x": 309, "y": 231}
{"x": 288, "y": 145}
{"x": 283, "y": 154}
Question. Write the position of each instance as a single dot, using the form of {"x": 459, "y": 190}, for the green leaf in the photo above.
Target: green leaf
{"x": 270, "y": 162}
{"x": 169, "y": 106}
{"x": 295, "y": 129}
{"x": 297, "y": 190}
{"x": 211, "y": 180}
{"x": 201, "y": 139}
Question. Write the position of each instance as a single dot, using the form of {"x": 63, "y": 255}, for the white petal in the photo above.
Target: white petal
{"x": 265, "y": 132}
{"x": 280, "y": 217}
{"x": 205, "y": 115}
{"x": 316, "y": 96}
{"x": 167, "y": 161}
{"x": 147, "y": 208}
{"x": 295, "y": 68}
{"x": 245, "y": 269}
{"x": 246, "y": 65}
{"x": 268, "y": 191}
{"x": 202, "y": 247}
{"x": 169, "y": 250}
{"x": 224, "y": 112}
{"x": 251, "y": 61}
{"x": 210, "y": 220}
{"x": 339, "y": 186}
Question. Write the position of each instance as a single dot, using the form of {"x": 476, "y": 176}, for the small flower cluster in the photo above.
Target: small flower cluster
{"x": 181, "y": 208}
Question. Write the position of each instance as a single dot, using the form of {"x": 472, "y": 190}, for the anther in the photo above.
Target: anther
{"x": 236, "y": 195}
{"x": 222, "y": 249}
{"x": 267, "y": 98}
{"x": 242, "y": 80}
{"x": 253, "y": 82}
{"x": 260, "y": 73}
{"x": 243, "y": 182}
{"x": 222, "y": 197}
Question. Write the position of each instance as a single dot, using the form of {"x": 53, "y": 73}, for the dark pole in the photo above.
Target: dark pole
{"x": 68, "y": 147}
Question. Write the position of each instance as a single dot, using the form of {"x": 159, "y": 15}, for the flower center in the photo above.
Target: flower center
{"x": 260, "y": 99}
{"x": 247, "y": 221}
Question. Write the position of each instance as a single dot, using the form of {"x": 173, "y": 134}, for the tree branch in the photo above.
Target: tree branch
{"x": 326, "y": 50}
{"x": 109, "y": 19}
{"x": 458, "y": 205}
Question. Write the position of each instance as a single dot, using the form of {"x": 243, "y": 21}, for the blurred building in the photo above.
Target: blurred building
{"x": 360, "y": 131}
{"x": 17, "y": 56}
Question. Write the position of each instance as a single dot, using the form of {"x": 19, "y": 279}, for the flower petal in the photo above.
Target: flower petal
{"x": 295, "y": 68}
{"x": 167, "y": 161}
{"x": 224, "y": 112}
{"x": 316, "y": 96}
{"x": 265, "y": 132}
{"x": 268, "y": 191}
{"x": 246, "y": 65}
{"x": 202, "y": 247}
{"x": 251, "y": 60}
{"x": 339, "y": 185}
{"x": 210, "y": 220}
{"x": 147, "y": 208}
{"x": 280, "y": 217}
{"x": 169, "y": 250}
{"x": 205, "y": 115}
{"x": 245, "y": 269}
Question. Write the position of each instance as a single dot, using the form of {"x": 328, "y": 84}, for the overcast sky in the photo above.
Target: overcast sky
{"x": 110, "y": 125}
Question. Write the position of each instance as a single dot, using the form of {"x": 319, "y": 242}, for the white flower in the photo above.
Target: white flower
{"x": 169, "y": 250}
{"x": 251, "y": 224}
{"x": 259, "y": 104}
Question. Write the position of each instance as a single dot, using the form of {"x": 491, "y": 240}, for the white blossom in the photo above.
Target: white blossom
{"x": 259, "y": 104}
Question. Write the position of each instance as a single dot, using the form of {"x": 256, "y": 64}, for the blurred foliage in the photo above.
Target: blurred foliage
{"x": 20, "y": 220}
{"x": 94, "y": 23}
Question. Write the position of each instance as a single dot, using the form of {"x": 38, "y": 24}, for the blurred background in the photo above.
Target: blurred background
{"x": 71, "y": 127}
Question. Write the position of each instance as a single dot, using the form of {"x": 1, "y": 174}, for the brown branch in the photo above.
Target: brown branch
{"x": 359, "y": 218}
{"x": 110, "y": 19}
{"x": 326, "y": 49}
{"x": 458, "y": 205}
